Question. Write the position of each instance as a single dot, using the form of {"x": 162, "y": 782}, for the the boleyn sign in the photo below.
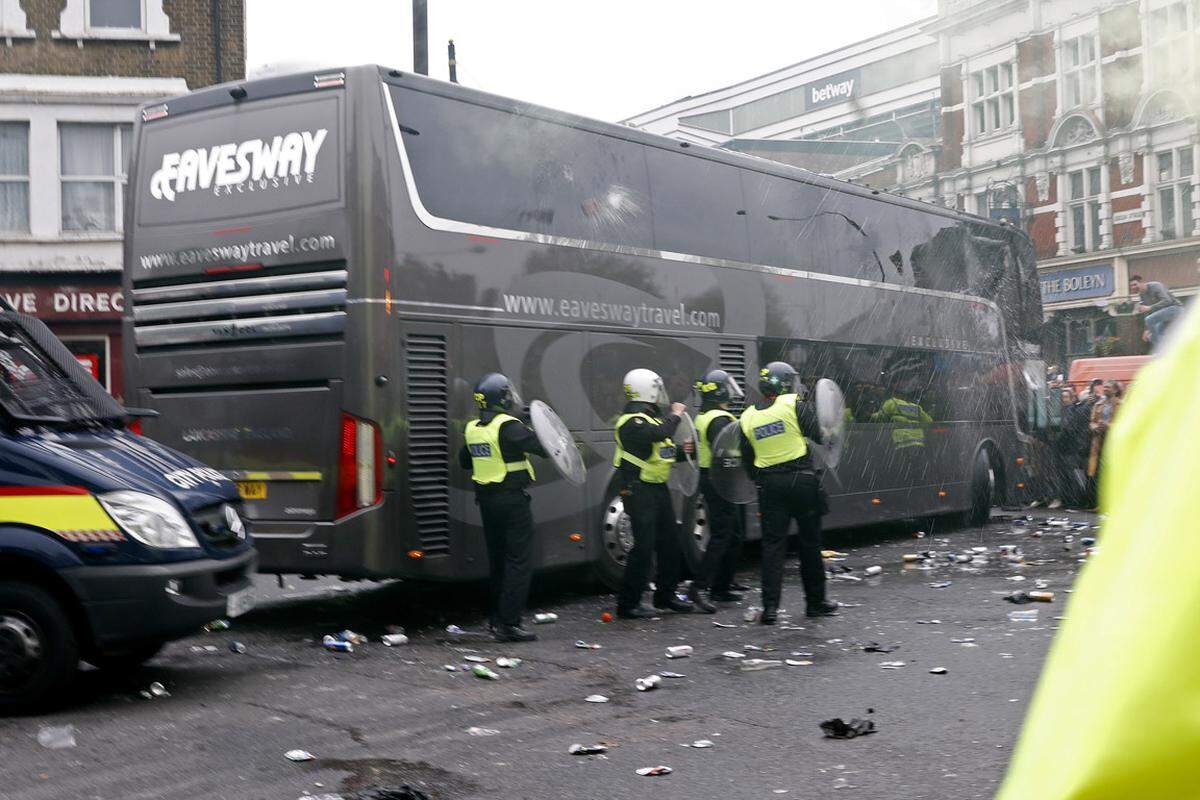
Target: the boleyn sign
{"x": 1077, "y": 283}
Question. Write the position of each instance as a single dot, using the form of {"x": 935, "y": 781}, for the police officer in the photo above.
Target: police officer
{"x": 496, "y": 451}
{"x": 774, "y": 430}
{"x": 643, "y": 459}
{"x": 726, "y": 520}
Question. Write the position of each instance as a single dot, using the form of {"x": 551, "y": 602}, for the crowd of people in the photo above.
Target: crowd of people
{"x": 1078, "y": 440}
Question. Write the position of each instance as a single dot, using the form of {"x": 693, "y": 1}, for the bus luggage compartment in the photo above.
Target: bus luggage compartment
{"x": 283, "y": 459}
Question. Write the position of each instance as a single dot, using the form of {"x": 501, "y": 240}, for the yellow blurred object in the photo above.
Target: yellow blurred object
{"x": 832, "y": 554}
{"x": 1116, "y": 714}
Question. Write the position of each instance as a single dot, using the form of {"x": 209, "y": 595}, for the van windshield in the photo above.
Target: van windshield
{"x": 35, "y": 389}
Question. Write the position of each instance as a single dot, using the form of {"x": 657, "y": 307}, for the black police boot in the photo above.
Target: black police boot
{"x": 514, "y": 633}
{"x": 696, "y": 595}
{"x": 738, "y": 587}
{"x": 637, "y": 612}
{"x": 676, "y": 605}
{"x": 724, "y": 597}
{"x": 770, "y": 615}
{"x": 826, "y": 608}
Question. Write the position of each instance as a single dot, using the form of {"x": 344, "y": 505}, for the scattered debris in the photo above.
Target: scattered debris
{"x": 733, "y": 654}
{"x": 665, "y": 674}
{"x": 653, "y": 771}
{"x": 873, "y": 570}
{"x": 723, "y": 624}
{"x": 964, "y": 640}
{"x": 837, "y": 728}
{"x": 606, "y": 616}
{"x": 352, "y": 637}
{"x": 449, "y": 668}
{"x": 648, "y": 683}
{"x": 1020, "y": 598}
{"x": 544, "y": 618}
{"x": 832, "y": 554}
{"x": 929, "y": 622}
{"x": 938, "y": 671}
{"x": 298, "y": 755}
{"x": 876, "y": 647}
{"x": 485, "y": 672}
{"x": 757, "y": 664}
{"x": 506, "y": 662}
{"x": 701, "y": 744}
{"x": 792, "y": 662}
{"x": 404, "y": 792}
{"x": 56, "y": 737}
{"x": 477, "y": 659}
{"x": 680, "y": 651}
{"x": 941, "y": 584}
{"x": 582, "y": 645}
{"x": 587, "y": 749}
{"x": 752, "y": 614}
{"x": 477, "y": 731}
{"x": 217, "y": 625}
{"x": 394, "y": 639}
{"x": 892, "y": 664}
{"x": 595, "y": 698}
{"x": 336, "y": 645}
{"x": 154, "y": 690}
{"x": 1023, "y": 616}
{"x": 237, "y": 647}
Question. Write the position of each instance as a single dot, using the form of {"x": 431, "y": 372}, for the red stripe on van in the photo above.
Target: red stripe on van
{"x": 19, "y": 491}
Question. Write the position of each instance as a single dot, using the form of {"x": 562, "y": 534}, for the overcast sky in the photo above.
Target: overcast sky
{"x": 608, "y": 59}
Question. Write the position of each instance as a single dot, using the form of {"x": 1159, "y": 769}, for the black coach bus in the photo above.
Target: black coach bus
{"x": 320, "y": 266}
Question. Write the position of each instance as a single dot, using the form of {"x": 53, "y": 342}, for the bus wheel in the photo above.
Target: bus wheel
{"x": 616, "y": 540}
{"x": 983, "y": 488}
{"x": 39, "y": 654}
{"x": 695, "y": 533}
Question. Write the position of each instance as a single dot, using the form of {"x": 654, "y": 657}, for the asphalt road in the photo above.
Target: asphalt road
{"x": 387, "y": 716}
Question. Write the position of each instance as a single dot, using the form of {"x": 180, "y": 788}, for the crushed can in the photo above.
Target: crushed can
{"x": 336, "y": 645}
{"x": 544, "y": 618}
{"x": 679, "y": 651}
{"x": 873, "y": 570}
{"x": 648, "y": 683}
{"x": 394, "y": 639}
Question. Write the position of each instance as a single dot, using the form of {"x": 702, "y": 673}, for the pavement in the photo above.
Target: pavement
{"x": 386, "y": 716}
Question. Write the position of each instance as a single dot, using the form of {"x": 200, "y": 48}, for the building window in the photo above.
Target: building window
{"x": 1172, "y": 43}
{"x": 126, "y": 14}
{"x": 14, "y": 177}
{"x": 1079, "y": 71}
{"x": 993, "y": 99}
{"x": 1175, "y": 169}
{"x": 1083, "y": 209}
{"x": 981, "y": 203}
{"x": 93, "y": 165}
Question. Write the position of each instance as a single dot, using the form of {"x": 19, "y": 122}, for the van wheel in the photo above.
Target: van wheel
{"x": 616, "y": 540}
{"x": 983, "y": 489}
{"x": 126, "y": 658}
{"x": 39, "y": 653}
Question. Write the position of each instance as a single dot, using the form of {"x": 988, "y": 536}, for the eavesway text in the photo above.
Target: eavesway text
{"x": 230, "y": 164}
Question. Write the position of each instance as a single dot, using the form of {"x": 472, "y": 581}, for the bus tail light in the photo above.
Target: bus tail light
{"x": 360, "y": 465}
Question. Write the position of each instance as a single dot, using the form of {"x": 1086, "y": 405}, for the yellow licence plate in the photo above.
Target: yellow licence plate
{"x": 252, "y": 490}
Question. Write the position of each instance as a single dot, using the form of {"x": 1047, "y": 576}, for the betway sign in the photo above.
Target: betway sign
{"x": 834, "y": 89}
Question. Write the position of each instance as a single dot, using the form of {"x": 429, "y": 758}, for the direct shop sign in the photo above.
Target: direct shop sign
{"x": 66, "y": 302}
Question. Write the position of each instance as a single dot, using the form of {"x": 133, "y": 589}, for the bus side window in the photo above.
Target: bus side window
{"x": 696, "y": 206}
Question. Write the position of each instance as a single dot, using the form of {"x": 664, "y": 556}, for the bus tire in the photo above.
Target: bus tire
{"x": 983, "y": 488}
{"x": 616, "y": 539}
{"x": 694, "y": 532}
{"x": 39, "y": 649}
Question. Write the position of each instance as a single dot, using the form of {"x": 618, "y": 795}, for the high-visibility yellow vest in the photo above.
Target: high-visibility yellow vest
{"x": 774, "y": 432}
{"x": 656, "y": 468}
{"x": 908, "y": 419}
{"x": 1121, "y": 675}
{"x": 704, "y": 450}
{"x": 483, "y": 443}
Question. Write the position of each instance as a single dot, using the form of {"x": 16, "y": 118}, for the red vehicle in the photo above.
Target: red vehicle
{"x": 1109, "y": 368}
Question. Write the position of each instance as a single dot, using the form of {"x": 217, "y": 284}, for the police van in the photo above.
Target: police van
{"x": 111, "y": 545}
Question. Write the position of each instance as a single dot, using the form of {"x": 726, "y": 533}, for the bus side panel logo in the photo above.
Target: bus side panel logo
{"x": 292, "y": 154}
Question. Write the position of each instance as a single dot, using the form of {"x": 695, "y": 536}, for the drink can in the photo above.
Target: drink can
{"x": 336, "y": 645}
{"x": 648, "y": 683}
{"x": 679, "y": 651}
{"x": 394, "y": 639}
{"x": 1042, "y": 597}
{"x": 875, "y": 570}
{"x": 910, "y": 557}
{"x": 544, "y": 619}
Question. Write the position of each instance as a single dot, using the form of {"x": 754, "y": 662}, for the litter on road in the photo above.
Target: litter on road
{"x": 792, "y": 662}
{"x": 298, "y": 755}
{"x": 394, "y": 639}
{"x": 544, "y": 618}
{"x": 477, "y": 731}
{"x": 938, "y": 671}
{"x": 757, "y": 664}
{"x": 484, "y": 672}
{"x": 505, "y": 662}
{"x": 701, "y": 744}
{"x": 680, "y": 651}
{"x": 595, "y": 698}
{"x": 582, "y": 645}
{"x": 837, "y": 728}
{"x": 892, "y": 664}
{"x": 653, "y": 771}
{"x": 587, "y": 749}
{"x": 733, "y": 654}
{"x": 665, "y": 674}
{"x": 648, "y": 683}
{"x": 56, "y": 737}
{"x": 876, "y": 647}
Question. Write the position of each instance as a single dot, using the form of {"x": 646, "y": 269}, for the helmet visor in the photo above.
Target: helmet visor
{"x": 735, "y": 391}
{"x": 661, "y": 398}
{"x": 514, "y": 398}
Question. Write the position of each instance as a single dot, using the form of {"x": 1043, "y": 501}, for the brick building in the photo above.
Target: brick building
{"x": 1075, "y": 118}
{"x": 72, "y": 73}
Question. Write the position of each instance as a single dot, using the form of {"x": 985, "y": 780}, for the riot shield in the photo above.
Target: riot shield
{"x": 831, "y": 416}
{"x": 726, "y": 472}
{"x": 685, "y": 474}
{"x": 558, "y": 442}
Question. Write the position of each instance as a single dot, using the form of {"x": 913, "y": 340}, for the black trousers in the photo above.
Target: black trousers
{"x": 655, "y": 539}
{"x": 784, "y": 497}
{"x": 726, "y": 532}
{"x": 508, "y": 528}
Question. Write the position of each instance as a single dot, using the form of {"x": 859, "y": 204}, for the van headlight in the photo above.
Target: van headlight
{"x": 150, "y": 520}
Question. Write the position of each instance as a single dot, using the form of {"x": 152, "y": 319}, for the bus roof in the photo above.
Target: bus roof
{"x": 276, "y": 86}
